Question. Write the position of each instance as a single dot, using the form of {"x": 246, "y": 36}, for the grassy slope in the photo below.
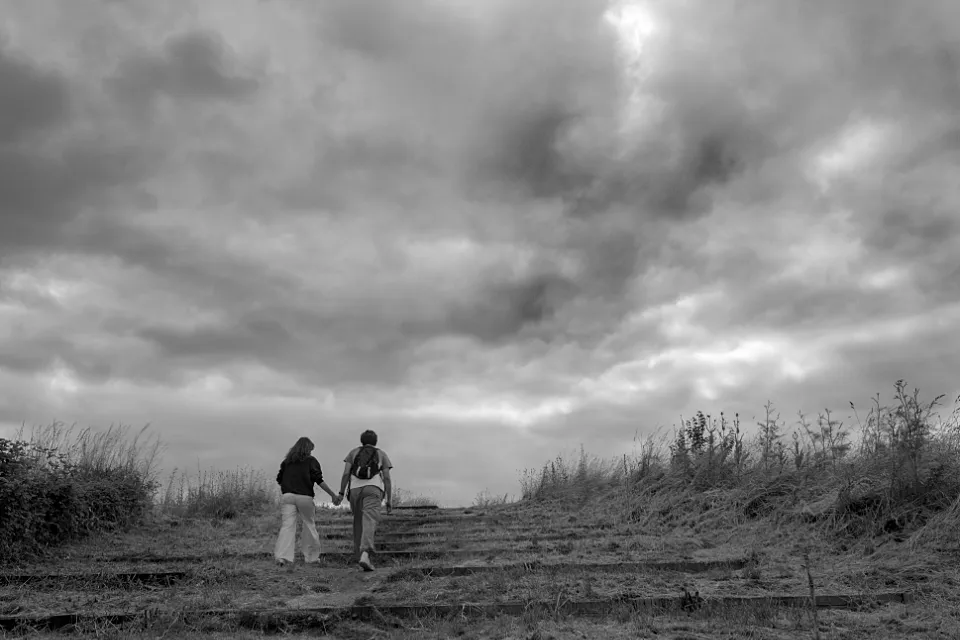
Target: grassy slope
{"x": 777, "y": 551}
{"x": 877, "y": 515}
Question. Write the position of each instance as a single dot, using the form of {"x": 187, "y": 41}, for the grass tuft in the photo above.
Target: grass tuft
{"x": 220, "y": 495}
{"x": 406, "y": 498}
{"x": 485, "y": 499}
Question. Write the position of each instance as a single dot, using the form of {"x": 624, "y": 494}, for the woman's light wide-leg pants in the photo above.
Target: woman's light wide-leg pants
{"x": 290, "y": 505}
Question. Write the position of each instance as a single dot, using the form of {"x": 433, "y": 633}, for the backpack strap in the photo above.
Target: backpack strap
{"x": 357, "y": 455}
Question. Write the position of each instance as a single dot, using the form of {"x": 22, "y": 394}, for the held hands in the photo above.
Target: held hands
{"x": 337, "y": 500}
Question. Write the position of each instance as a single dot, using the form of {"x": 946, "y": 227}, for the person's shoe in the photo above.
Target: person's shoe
{"x": 283, "y": 563}
{"x": 365, "y": 562}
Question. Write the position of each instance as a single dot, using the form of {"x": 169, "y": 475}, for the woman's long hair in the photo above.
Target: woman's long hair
{"x": 300, "y": 451}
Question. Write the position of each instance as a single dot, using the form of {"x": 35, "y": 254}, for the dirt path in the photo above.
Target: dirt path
{"x": 595, "y": 565}
{"x": 335, "y": 586}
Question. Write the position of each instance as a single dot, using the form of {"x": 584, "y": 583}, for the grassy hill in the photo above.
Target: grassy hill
{"x": 819, "y": 532}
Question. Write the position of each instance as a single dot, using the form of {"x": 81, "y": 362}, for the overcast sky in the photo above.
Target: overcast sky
{"x": 491, "y": 231}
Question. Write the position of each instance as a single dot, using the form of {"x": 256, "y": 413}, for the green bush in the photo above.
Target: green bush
{"x": 49, "y": 497}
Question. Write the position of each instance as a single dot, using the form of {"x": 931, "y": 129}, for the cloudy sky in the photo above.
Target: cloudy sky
{"x": 491, "y": 231}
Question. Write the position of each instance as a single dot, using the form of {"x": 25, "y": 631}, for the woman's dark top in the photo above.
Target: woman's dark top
{"x": 299, "y": 477}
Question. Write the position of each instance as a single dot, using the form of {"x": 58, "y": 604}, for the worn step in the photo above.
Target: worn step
{"x": 100, "y": 579}
{"x": 684, "y": 566}
{"x": 326, "y": 618}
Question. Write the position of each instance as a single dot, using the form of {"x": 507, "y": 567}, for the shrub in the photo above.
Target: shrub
{"x": 59, "y": 486}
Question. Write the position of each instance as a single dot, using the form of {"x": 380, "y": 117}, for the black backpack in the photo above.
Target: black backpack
{"x": 366, "y": 464}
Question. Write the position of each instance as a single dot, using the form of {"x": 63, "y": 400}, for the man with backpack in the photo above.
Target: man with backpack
{"x": 367, "y": 474}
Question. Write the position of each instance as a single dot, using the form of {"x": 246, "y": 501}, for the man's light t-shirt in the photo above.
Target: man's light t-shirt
{"x": 375, "y": 481}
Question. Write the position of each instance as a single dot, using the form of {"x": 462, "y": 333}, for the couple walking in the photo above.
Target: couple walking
{"x": 366, "y": 474}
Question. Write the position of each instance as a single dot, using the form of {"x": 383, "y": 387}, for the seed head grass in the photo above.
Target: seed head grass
{"x": 898, "y": 473}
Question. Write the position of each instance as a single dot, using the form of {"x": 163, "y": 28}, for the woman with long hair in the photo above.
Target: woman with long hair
{"x": 299, "y": 471}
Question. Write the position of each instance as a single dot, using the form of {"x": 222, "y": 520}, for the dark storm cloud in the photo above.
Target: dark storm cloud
{"x": 514, "y": 111}
{"x": 710, "y": 161}
{"x": 503, "y": 98}
{"x": 534, "y": 306}
{"x": 908, "y": 217}
{"x": 41, "y": 193}
{"x": 749, "y": 87}
{"x": 529, "y": 154}
{"x": 501, "y": 310}
{"x": 33, "y": 99}
{"x": 941, "y": 145}
{"x": 308, "y": 344}
{"x": 192, "y": 66}
{"x": 32, "y": 188}
{"x": 888, "y": 42}
{"x": 612, "y": 257}
{"x": 473, "y": 81}
{"x": 244, "y": 338}
{"x": 915, "y": 210}
{"x": 518, "y": 121}
{"x": 33, "y": 355}
{"x": 48, "y": 174}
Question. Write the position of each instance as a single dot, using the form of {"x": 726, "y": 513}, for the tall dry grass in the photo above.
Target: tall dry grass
{"x": 406, "y": 498}
{"x": 895, "y": 470}
{"x": 220, "y": 495}
{"x": 485, "y": 499}
{"x": 96, "y": 452}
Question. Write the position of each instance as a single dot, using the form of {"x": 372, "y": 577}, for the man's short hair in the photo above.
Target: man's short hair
{"x": 368, "y": 437}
